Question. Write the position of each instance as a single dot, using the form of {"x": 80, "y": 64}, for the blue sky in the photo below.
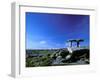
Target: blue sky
{"x": 45, "y": 30}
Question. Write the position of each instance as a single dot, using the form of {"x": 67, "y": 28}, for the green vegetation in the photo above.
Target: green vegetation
{"x": 52, "y": 57}
{"x": 41, "y": 52}
{"x": 38, "y": 61}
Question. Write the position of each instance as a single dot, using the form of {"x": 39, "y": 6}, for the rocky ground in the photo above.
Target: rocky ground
{"x": 65, "y": 56}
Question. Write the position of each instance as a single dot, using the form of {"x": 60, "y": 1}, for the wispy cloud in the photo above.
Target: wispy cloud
{"x": 43, "y": 42}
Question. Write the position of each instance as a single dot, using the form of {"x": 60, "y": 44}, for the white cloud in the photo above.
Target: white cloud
{"x": 42, "y": 42}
